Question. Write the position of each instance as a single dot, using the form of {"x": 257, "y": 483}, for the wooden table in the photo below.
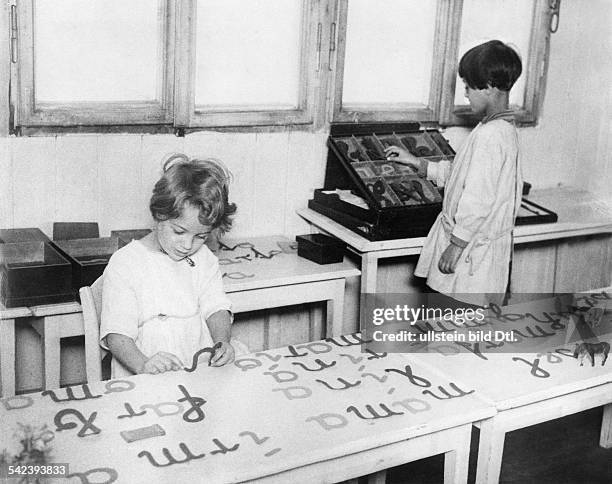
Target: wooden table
{"x": 314, "y": 412}
{"x": 7, "y": 347}
{"x": 258, "y": 273}
{"x": 579, "y": 214}
{"x": 532, "y": 380}
{"x": 266, "y": 272}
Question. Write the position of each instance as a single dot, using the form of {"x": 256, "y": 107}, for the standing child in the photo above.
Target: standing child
{"x": 469, "y": 247}
{"x": 163, "y": 298}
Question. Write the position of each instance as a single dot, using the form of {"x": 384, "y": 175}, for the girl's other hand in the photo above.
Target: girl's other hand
{"x": 224, "y": 355}
{"x": 161, "y": 362}
{"x": 450, "y": 257}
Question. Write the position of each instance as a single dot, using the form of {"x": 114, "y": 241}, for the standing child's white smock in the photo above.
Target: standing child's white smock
{"x": 160, "y": 303}
{"x": 482, "y": 197}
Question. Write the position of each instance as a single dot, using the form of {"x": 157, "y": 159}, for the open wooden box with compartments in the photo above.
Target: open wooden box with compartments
{"x": 378, "y": 198}
{"x": 382, "y": 199}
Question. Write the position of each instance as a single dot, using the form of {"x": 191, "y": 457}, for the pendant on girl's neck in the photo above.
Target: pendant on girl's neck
{"x": 187, "y": 259}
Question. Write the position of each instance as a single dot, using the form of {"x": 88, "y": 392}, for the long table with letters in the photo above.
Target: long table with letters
{"x": 315, "y": 412}
{"x": 334, "y": 409}
{"x": 537, "y": 374}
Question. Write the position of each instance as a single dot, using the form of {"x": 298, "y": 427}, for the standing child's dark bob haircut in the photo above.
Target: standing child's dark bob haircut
{"x": 492, "y": 64}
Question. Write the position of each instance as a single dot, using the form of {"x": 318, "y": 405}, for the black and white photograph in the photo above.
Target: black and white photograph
{"x": 306, "y": 241}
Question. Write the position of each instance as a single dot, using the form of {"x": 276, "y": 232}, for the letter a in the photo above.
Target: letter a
{"x": 326, "y": 420}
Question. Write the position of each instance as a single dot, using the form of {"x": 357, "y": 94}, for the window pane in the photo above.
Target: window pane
{"x": 389, "y": 51}
{"x": 506, "y": 20}
{"x": 95, "y": 50}
{"x": 248, "y": 54}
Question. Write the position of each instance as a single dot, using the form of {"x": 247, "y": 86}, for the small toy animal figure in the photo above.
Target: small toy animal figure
{"x": 592, "y": 349}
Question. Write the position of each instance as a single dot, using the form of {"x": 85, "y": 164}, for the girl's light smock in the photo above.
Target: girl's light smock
{"x": 160, "y": 303}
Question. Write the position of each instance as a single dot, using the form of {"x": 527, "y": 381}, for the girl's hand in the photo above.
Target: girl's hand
{"x": 224, "y": 355}
{"x": 161, "y": 362}
{"x": 450, "y": 257}
{"x": 403, "y": 156}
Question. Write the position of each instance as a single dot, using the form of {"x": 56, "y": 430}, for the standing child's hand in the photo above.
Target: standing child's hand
{"x": 161, "y": 362}
{"x": 223, "y": 355}
{"x": 402, "y": 156}
{"x": 450, "y": 257}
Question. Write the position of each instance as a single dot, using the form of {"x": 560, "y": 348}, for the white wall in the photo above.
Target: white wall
{"x": 108, "y": 178}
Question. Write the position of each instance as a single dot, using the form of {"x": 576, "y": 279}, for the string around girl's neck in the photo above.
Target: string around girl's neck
{"x": 187, "y": 259}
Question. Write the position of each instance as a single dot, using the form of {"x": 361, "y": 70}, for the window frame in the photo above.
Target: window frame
{"x": 535, "y": 71}
{"x": 187, "y": 114}
{"x": 322, "y": 54}
{"x": 30, "y": 114}
{"x": 445, "y": 12}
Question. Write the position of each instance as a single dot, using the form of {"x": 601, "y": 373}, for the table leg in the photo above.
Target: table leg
{"x": 274, "y": 334}
{"x": 456, "y": 462}
{"x": 605, "y": 439}
{"x": 48, "y": 327}
{"x": 7, "y": 357}
{"x": 490, "y": 451}
{"x": 335, "y": 309}
{"x": 369, "y": 276}
{"x": 369, "y": 272}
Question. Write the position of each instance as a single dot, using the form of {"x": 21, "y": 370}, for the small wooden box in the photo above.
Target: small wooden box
{"x": 36, "y": 274}
{"x": 88, "y": 257}
{"x": 8, "y": 236}
{"x": 320, "y": 248}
